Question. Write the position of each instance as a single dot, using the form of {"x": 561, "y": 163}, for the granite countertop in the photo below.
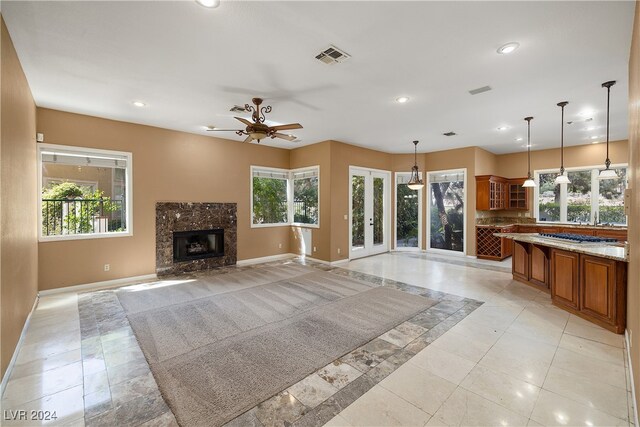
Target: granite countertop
{"x": 543, "y": 224}
{"x": 611, "y": 251}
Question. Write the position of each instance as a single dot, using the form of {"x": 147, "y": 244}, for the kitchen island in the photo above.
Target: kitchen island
{"x": 586, "y": 279}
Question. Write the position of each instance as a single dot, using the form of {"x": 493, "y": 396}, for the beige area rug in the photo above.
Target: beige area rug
{"x": 222, "y": 343}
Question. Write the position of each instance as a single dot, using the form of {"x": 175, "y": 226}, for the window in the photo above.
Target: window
{"x": 584, "y": 199}
{"x": 284, "y": 197}
{"x": 84, "y": 193}
{"x": 270, "y": 196}
{"x": 408, "y": 213}
{"x": 305, "y": 196}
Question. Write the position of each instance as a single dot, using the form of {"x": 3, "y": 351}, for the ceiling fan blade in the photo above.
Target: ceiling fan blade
{"x": 245, "y": 121}
{"x": 225, "y": 130}
{"x": 248, "y": 139}
{"x": 284, "y": 136}
{"x": 287, "y": 127}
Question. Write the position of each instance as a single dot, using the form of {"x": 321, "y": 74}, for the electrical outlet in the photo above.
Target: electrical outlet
{"x": 280, "y": 245}
{"x": 346, "y": 217}
{"x": 314, "y": 249}
{"x": 338, "y": 251}
{"x": 107, "y": 267}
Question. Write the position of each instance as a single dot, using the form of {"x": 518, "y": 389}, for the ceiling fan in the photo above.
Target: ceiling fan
{"x": 257, "y": 129}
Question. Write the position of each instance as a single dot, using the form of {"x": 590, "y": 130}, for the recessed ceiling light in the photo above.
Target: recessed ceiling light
{"x": 503, "y": 128}
{"x": 596, "y": 142}
{"x": 402, "y": 99}
{"x": 139, "y": 104}
{"x": 587, "y": 113}
{"x": 209, "y": 127}
{"x": 594, "y": 137}
{"x": 508, "y": 48}
{"x": 590, "y": 128}
{"x": 209, "y": 3}
{"x": 518, "y": 139}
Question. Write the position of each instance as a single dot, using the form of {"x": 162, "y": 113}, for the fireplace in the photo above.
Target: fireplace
{"x": 198, "y": 244}
{"x": 194, "y": 236}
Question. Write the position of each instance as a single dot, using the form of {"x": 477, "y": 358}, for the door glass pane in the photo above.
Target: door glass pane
{"x": 579, "y": 196}
{"x": 407, "y": 213}
{"x": 378, "y": 211}
{"x": 611, "y": 198}
{"x": 446, "y": 207}
{"x": 357, "y": 211}
{"x": 549, "y": 198}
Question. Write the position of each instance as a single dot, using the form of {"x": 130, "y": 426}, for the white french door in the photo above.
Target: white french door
{"x": 369, "y": 211}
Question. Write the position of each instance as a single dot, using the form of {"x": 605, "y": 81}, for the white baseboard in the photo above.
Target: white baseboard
{"x": 98, "y": 285}
{"x": 12, "y": 362}
{"x": 332, "y": 263}
{"x": 633, "y": 384}
{"x": 260, "y": 260}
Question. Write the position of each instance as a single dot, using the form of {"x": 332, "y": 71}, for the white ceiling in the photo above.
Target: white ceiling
{"x": 191, "y": 64}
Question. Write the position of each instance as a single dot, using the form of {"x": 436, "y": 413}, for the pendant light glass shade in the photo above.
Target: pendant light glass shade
{"x": 608, "y": 173}
{"x": 415, "y": 183}
{"x": 562, "y": 178}
{"x": 529, "y": 182}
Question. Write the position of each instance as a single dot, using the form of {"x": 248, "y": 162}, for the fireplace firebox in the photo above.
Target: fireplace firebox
{"x": 198, "y": 244}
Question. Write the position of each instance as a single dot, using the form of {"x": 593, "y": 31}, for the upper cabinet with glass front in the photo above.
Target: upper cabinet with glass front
{"x": 495, "y": 193}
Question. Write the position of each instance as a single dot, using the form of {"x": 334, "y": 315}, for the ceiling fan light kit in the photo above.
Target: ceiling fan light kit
{"x": 257, "y": 129}
{"x": 415, "y": 183}
{"x": 562, "y": 178}
{"x": 608, "y": 173}
{"x": 529, "y": 181}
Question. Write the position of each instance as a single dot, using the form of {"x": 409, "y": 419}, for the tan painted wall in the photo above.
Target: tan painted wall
{"x": 167, "y": 166}
{"x": 18, "y": 231}
{"x": 515, "y": 164}
{"x": 633, "y": 301}
{"x": 316, "y": 155}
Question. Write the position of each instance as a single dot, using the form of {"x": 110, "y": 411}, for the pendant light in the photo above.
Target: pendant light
{"x": 608, "y": 173}
{"x": 529, "y": 182}
{"x": 562, "y": 178}
{"x": 415, "y": 183}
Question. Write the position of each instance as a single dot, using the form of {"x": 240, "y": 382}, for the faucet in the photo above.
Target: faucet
{"x": 595, "y": 219}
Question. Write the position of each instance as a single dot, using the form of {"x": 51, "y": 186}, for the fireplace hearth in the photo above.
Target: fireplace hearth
{"x": 197, "y": 244}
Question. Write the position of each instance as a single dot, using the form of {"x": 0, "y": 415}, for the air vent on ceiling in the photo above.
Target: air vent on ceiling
{"x": 238, "y": 109}
{"x": 449, "y": 133}
{"x": 331, "y": 55}
{"x": 480, "y": 90}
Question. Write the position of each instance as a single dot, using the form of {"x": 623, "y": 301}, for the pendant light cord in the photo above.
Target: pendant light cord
{"x": 562, "y": 105}
{"x": 528, "y": 119}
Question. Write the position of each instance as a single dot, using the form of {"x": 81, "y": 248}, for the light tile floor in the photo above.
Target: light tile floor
{"x": 516, "y": 360}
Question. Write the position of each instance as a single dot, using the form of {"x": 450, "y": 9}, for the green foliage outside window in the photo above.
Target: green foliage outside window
{"x": 68, "y": 208}
{"x": 305, "y": 200}
{"x": 269, "y": 201}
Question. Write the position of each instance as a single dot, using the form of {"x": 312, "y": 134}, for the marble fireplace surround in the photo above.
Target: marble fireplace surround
{"x": 188, "y": 216}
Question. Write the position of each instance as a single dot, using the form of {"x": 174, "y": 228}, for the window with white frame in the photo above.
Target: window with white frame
{"x": 84, "y": 193}
{"x": 306, "y": 197}
{"x": 584, "y": 200}
{"x": 284, "y": 197}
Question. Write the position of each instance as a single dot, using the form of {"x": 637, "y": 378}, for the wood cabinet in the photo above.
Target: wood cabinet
{"x": 497, "y": 193}
{"x": 591, "y": 287}
{"x": 621, "y": 234}
{"x": 564, "y": 278}
{"x": 491, "y": 247}
{"x": 574, "y": 230}
{"x": 518, "y": 196}
{"x": 539, "y": 266}
{"x": 491, "y": 193}
{"x": 520, "y": 261}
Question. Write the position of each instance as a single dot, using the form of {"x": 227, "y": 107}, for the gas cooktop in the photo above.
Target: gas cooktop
{"x": 579, "y": 238}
